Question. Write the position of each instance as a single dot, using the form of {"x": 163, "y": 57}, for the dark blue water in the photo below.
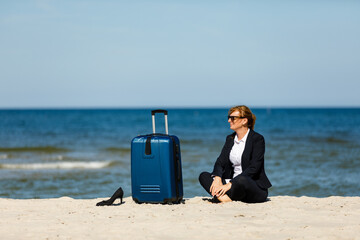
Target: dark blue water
{"x": 86, "y": 153}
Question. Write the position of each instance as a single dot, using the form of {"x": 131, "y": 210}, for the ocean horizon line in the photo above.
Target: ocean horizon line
{"x": 169, "y": 107}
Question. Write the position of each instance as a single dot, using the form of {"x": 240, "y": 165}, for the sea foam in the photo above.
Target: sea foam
{"x": 58, "y": 165}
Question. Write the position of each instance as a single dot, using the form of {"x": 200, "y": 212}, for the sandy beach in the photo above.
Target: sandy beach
{"x": 282, "y": 217}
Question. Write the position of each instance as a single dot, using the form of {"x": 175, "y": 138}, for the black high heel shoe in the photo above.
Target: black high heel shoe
{"x": 118, "y": 194}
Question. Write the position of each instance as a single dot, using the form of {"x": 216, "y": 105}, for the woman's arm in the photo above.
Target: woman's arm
{"x": 221, "y": 160}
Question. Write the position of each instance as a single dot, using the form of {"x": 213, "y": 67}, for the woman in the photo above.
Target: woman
{"x": 239, "y": 173}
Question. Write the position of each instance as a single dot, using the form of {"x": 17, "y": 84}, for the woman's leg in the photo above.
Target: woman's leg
{"x": 206, "y": 180}
{"x": 245, "y": 189}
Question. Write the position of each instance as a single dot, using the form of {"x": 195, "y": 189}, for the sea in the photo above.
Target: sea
{"x": 86, "y": 153}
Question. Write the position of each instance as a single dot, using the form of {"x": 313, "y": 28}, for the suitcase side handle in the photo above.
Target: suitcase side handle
{"x": 166, "y": 120}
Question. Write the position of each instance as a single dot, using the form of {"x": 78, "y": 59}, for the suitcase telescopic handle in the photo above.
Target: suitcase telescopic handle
{"x": 159, "y": 111}
{"x": 153, "y": 112}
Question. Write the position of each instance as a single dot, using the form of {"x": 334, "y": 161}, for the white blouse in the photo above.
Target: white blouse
{"x": 236, "y": 154}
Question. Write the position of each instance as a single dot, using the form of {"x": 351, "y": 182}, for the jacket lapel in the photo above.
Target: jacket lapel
{"x": 248, "y": 145}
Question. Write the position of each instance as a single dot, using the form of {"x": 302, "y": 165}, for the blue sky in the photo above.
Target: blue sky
{"x": 179, "y": 53}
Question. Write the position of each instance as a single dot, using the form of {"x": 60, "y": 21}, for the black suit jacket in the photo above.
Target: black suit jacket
{"x": 252, "y": 160}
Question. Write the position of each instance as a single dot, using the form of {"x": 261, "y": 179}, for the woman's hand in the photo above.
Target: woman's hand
{"x": 223, "y": 189}
{"x": 215, "y": 186}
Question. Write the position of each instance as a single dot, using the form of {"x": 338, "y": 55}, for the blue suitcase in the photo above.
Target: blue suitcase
{"x": 156, "y": 175}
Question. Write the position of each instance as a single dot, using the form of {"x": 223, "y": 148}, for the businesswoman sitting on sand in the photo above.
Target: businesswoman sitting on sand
{"x": 239, "y": 173}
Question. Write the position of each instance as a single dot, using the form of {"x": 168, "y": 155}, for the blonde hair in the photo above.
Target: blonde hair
{"x": 246, "y": 113}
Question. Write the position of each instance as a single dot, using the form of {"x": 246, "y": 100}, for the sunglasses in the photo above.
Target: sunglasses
{"x": 234, "y": 117}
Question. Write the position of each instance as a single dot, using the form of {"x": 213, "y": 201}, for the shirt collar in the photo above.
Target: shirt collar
{"x": 236, "y": 140}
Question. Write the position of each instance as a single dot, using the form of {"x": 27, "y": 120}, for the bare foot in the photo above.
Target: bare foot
{"x": 224, "y": 198}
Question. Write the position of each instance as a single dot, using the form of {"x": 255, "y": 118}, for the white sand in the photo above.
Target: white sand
{"x": 282, "y": 217}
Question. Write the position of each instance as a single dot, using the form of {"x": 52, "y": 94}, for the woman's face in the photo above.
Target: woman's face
{"x": 236, "y": 122}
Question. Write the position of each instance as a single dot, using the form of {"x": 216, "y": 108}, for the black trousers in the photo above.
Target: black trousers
{"x": 242, "y": 189}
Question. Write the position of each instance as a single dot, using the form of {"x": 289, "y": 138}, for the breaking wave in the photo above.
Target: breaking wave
{"x": 58, "y": 165}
